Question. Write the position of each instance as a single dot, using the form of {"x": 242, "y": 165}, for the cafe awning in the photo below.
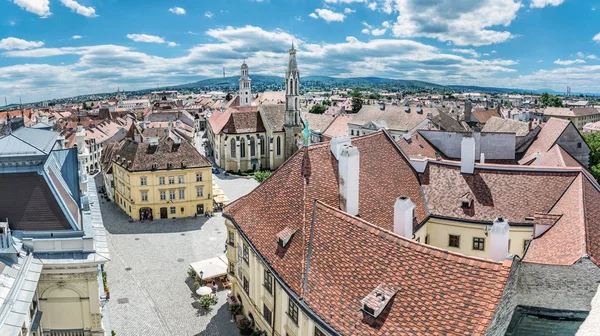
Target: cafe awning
{"x": 211, "y": 268}
{"x": 221, "y": 199}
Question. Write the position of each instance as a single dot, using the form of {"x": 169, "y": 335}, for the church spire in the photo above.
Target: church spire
{"x": 292, "y": 90}
{"x": 245, "y": 86}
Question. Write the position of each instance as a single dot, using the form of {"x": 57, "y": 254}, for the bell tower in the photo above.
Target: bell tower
{"x": 245, "y": 86}
{"x": 292, "y": 121}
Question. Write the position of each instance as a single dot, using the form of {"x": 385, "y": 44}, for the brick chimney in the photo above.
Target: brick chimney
{"x": 499, "y": 236}
{"x": 349, "y": 167}
{"x": 404, "y": 210}
{"x": 467, "y": 156}
{"x": 468, "y": 108}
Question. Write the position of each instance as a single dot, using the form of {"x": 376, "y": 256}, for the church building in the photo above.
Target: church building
{"x": 247, "y": 135}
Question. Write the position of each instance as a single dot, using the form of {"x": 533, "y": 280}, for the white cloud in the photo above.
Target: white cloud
{"x": 172, "y": 44}
{"x": 596, "y": 37}
{"x": 466, "y": 51}
{"x": 177, "y": 10}
{"x": 13, "y": 43}
{"x": 12, "y": 23}
{"x": 349, "y": 10}
{"x": 544, "y": 3}
{"x": 76, "y": 37}
{"x": 459, "y": 22}
{"x": 38, "y": 7}
{"x": 569, "y": 62}
{"x": 386, "y": 24}
{"x": 593, "y": 57}
{"x": 365, "y": 31}
{"x": 493, "y": 51}
{"x": 79, "y": 9}
{"x": 540, "y": 61}
{"x": 372, "y": 6}
{"x": 145, "y": 38}
{"x": 378, "y": 32}
{"x": 328, "y": 15}
{"x": 299, "y": 18}
{"x": 209, "y": 15}
{"x": 313, "y": 15}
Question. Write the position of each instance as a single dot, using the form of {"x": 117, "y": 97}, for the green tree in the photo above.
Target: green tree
{"x": 318, "y": 109}
{"x": 593, "y": 141}
{"x": 327, "y": 102}
{"x": 357, "y": 101}
{"x": 261, "y": 176}
{"x": 550, "y": 100}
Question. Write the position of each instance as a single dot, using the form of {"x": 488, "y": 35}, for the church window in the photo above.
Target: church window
{"x": 291, "y": 88}
{"x": 262, "y": 144}
{"x": 296, "y": 105}
{"x": 246, "y": 99}
{"x": 252, "y": 147}
{"x": 278, "y": 146}
{"x": 232, "y": 148}
{"x": 243, "y": 148}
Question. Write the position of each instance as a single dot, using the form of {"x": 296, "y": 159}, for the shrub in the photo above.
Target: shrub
{"x": 235, "y": 308}
{"x": 191, "y": 273}
{"x": 261, "y": 176}
{"x": 246, "y": 326}
{"x": 206, "y": 301}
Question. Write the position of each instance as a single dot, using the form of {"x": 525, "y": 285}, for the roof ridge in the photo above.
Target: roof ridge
{"x": 423, "y": 248}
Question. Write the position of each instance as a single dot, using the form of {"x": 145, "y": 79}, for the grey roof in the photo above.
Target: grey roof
{"x": 394, "y": 116}
{"x": 43, "y": 140}
{"x": 11, "y": 147}
{"x": 500, "y": 125}
{"x": 274, "y": 115}
{"x": 18, "y": 282}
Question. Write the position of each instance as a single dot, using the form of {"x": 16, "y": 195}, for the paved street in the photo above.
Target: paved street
{"x": 148, "y": 271}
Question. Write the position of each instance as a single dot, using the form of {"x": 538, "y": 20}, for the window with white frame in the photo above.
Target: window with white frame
{"x": 181, "y": 179}
{"x": 143, "y": 181}
{"x": 171, "y": 179}
{"x": 144, "y": 195}
{"x": 163, "y": 196}
{"x": 161, "y": 180}
{"x": 198, "y": 177}
{"x": 199, "y": 192}
{"x": 181, "y": 194}
{"x": 171, "y": 194}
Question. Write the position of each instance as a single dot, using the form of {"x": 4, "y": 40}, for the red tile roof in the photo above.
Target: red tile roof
{"x": 547, "y": 137}
{"x": 417, "y": 145}
{"x": 237, "y": 120}
{"x": 511, "y": 194}
{"x": 557, "y": 157}
{"x": 439, "y": 292}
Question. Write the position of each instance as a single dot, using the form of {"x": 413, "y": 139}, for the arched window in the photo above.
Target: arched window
{"x": 296, "y": 104}
{"x": 252, "y": 147}
{"x": 243, "y": 148}
{"x": 232, "y": 148}
{"x": 278, "y": 145}
{"x": 262, "y": 145}
{"x": 291, "y": 88}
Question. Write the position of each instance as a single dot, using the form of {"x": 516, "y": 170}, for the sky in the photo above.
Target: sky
{"x": 60, "y": 48}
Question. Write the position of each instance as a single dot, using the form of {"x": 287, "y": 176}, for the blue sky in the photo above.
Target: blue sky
{"x": 58, "y": 48}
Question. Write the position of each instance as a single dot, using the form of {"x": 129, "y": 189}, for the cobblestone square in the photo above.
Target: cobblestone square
{"x": 147, "y": 276}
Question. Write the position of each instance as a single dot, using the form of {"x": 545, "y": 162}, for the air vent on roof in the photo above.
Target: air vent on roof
{"x": 376, "y": 301}
{"x": 154, "y": 166}
{"x": 419, "y": 108}
{"x": 407, "y": 108}
{"x": 183, "y": 164}
{"x": 118, "y": 157}
{"x": 169, "y": 165}
{"x": 466, "y": 200}
{"x": 128, "y": 163}
{"x": 284, "y": 236}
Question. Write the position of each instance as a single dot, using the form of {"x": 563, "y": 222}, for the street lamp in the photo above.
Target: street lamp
{"x": 201, "y": 274}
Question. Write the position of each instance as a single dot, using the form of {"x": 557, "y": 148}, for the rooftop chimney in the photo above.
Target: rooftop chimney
{"x": 349, "y": 166}
{"x": 382, "y": 105}
{"x": 419, "y": 108}
{"x": 499, "y": 236}
{"x": 467, "y": 156}
{"x": 467, "y": 110}
{"x": 538, "y": 158}
{"x": 337, "y": 143}
{"x": 404, "y": 210}
{"x": 482, "y": 158}
{"x": 407, "y": 108}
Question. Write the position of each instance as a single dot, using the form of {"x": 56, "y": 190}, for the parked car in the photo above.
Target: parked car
{"x": 215, "y": 170}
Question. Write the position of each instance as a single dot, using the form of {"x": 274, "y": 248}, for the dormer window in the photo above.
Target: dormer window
{"x": 376, "y": 301}
{"x": 154, "y": 166}
{"x": 466, "y": 200}
{"x": 284, "y": 236}
{"x": 169, "y": 165}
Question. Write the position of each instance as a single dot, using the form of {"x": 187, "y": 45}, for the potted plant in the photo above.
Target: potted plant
{"x": 206, "y": 301}
{"x": 245, "y": 327}
{"x": 234, "y": 309}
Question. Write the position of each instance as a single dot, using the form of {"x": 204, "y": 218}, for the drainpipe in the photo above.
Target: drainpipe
{"x": 274, "y": 308}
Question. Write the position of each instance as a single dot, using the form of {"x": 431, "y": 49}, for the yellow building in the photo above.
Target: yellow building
{"x": 161, "y": 178}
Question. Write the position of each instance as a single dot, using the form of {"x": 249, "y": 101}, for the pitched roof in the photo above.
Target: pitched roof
{"x": 557, "y": 157}
{"x": 496, "y": 124}
{"x": 274, "y": 116}
{"x": 339, "y": 127}
{"x": 417, "y": 145}
{"x": 394, "y": 116}
{"x": 318, "y": 122}
{"x": 509, "y": 193}
{"x": 30, "y": 205}
{"x": 237, "y": 120}
{"x": 483, "y": 116}
{"x": 570, "y": 112}
{"x": 439, "y": 292}
{"x": 143, "y": 155}
{"x": 381, "y": 163}
{"x": 547, "y": 137}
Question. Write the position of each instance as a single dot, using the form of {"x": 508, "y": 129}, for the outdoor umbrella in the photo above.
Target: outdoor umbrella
{"x": 204, "y": 290}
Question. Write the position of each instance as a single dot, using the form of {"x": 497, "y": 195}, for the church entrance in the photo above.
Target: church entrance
{"x": 163, "y": 213}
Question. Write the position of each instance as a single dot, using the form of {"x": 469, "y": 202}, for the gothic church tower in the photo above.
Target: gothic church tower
{"x": 245, "y": 87}
{"x": 293, "y": 122}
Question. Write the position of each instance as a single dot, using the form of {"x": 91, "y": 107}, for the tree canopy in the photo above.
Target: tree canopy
{"x": 593, "y": 140}
{"x": 318, "y": 109}
{"x": 550, "y": 100}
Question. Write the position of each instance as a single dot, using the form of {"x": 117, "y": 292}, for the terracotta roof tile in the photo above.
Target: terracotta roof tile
{"x": 547, "y": 137}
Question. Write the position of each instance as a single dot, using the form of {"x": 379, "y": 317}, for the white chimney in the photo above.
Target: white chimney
{"x": 349, "y": 167}
{"x": 499, "y": 236}
{"x": 337, "y": 143}
{"x": 538, "y": 158}
{"x": 467, "y": 156}
{"x": 403, "y": 216}
{"x": 482, "y": 158}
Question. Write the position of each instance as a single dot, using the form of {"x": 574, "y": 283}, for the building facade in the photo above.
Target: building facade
{"x": 161, "y": 178}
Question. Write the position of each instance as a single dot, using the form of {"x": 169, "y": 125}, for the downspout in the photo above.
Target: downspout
{"x": 274, "y": 310}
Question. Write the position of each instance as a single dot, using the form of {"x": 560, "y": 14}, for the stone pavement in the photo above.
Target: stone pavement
{"x": 147, "y": 276}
